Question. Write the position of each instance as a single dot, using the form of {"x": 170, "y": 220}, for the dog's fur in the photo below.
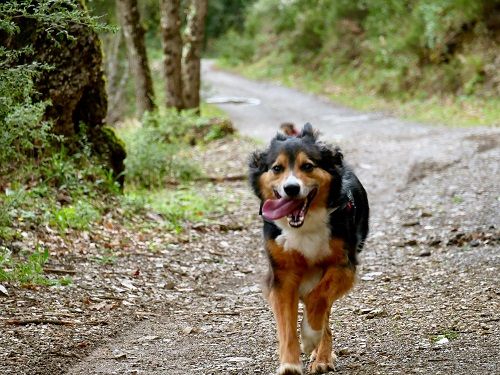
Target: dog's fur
{"x": 316, "y": 261}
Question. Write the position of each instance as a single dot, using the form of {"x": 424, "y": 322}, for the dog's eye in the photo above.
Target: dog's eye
{"x": 307, "y": 167}
{"x": 277, "y": 169}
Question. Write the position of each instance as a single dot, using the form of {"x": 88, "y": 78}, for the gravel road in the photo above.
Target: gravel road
{"x": 428, "y": 296}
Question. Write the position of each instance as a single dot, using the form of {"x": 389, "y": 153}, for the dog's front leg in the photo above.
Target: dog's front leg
{"x": 316, "y": 332}
{"x": 284, "y": 300}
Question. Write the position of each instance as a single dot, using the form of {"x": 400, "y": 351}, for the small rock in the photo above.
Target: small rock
{"x": 170, "y": 285}
{"x": 475, "y": 243}
{"x": 411, "y": 242}
{"x": 485, "y": 327}
{"x": 442, "y": 341}
{"x": 118, "y": 354}
{"x": 425, "y": 253}
{"x": 127, "y": 284}
{"x": 239, "y": 359}
{"x": 411, "y": 223}
{"x": 344, "y": 352}
{"x": 434, "y": 243}
{"x": 376, "y": 313}
{"x": 189, "y": 330}
{"x": 370, "y": 276}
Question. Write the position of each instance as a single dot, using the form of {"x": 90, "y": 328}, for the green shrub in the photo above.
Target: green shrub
{"x": 431, "y": 46}
{"x": 26, "y": 270}
{"x": 75, "y": 216}
{"x": 154, "y": 149}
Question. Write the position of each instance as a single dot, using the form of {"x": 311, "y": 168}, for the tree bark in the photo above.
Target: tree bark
{"x": 75, "y": 87}
{"x": 136, "y": 50}
{"x": 192, "y": 53}
{"x": 170, "y": 24}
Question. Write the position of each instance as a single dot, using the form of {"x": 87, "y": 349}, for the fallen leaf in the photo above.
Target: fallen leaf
{"x": 3, "y": 290}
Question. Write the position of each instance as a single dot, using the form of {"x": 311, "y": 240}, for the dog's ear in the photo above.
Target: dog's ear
{"x": 308, "y": 133}
{"x": 257, "y": 165}
{"x": 331, "y": 158}
{"x": 257, "y": 162}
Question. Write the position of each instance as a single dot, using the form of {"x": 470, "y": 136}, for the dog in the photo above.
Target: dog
{"x": 315, "y": 220}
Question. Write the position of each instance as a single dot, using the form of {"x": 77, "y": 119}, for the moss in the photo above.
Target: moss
{"x": 112, "y": 151}
{"x": 74, "y": 86}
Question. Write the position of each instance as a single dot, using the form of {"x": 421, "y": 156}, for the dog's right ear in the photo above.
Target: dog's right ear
{"x": 257, "y": 165}
{"x": 257, "y": 162}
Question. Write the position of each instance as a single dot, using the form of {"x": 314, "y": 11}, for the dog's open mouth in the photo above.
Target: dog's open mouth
{"x": 295, "y": 210}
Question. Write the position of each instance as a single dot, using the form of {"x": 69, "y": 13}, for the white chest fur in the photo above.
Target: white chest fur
{"x": 311, "y": 240}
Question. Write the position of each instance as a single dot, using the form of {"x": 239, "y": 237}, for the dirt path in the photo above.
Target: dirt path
{"x": 428, "y": 298}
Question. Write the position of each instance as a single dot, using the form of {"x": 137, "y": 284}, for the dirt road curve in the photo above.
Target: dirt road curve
{"x": 428, "y": 296}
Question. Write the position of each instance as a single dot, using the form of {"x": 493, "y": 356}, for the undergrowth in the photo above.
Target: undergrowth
{"x": 442, "y": 65}
{"x": 156, "y": 148}
{"x": 27, "y": 268}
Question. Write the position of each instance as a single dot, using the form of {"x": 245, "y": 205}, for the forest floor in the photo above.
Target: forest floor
{"x": 427, "y": 298}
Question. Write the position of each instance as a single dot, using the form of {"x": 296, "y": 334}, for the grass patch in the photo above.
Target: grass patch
{"x": 187, "y": 203}
{"x": 448, "y": 334}
{"x": 28, "y": 268}
{"x": 75, "y": 216}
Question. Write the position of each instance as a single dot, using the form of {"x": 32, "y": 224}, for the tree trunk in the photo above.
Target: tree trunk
{"x": 192, "y": 53}
{"x": 172, "y": 51}
{"x": 136, "y": 51}
{"x": 75, "y": 87}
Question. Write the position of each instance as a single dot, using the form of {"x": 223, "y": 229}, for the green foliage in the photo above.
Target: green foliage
{"x": 154, "y": 150}
{"x": 23, "y": 133}
{"x": 186, "y": 203}
{"x": 234, "y": 47}
{"x": 26, "y": 270}
{"x": 75, "y": 216}
{"x": 224, "y": 15}
{"x": 449, "y": 334}
{"x": 390, "y": 47}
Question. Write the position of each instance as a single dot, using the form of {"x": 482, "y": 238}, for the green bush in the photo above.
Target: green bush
{"x": 75, "y": 216}
{"x": 154, "y": 149}
{"x": 395, "y": 46}
{"x": 27, "y": 270}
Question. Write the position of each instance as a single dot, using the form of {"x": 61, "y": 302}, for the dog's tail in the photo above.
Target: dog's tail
{"x": 289, "y": 129}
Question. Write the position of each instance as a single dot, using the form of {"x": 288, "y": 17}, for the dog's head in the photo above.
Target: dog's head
{"x": 295, "y": 176}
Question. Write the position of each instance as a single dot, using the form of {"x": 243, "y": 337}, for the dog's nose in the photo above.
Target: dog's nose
{"x": 292, "y": 190}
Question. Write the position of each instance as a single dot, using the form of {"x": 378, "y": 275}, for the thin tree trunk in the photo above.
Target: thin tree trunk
{"x": 192, "y": 53}
{"x": 136, "y": 51}
{"x": 170, "y": 24}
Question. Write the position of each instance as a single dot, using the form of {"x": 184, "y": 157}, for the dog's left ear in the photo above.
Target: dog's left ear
{"x": 331, "y": 157}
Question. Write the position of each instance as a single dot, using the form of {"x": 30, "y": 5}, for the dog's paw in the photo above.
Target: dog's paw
{"x": 310, "y": 338}
{"x": 289, "y": 369}
{"x": 313, "y": 355}
{"x": 321, "y": 367}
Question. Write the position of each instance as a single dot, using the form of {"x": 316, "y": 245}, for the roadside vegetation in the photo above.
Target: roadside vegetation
{"x": 434, "y": 61}
{"x": 54, "y": 191}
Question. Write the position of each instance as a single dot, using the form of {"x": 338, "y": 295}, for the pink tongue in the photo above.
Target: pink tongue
{"x": 277, "y": 208}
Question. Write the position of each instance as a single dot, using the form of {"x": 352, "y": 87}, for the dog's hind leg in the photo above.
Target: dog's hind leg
{"x": 284, "y": 301}
{"x": 335, "y": 282}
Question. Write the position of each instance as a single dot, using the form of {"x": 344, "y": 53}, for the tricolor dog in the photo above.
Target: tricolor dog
{"x": 315, "y": 218}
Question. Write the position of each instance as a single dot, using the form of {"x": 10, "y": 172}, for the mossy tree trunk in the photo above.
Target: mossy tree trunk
{"x": 192, "y": 52}
{"x": 74, "y": 86}
{"x": 172, "y": 51}
{"x": 136, "y": 50}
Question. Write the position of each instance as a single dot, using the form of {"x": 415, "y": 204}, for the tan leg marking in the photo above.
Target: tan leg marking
{"x": 284, "y": 300}
{"x": 335, "y": 282}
